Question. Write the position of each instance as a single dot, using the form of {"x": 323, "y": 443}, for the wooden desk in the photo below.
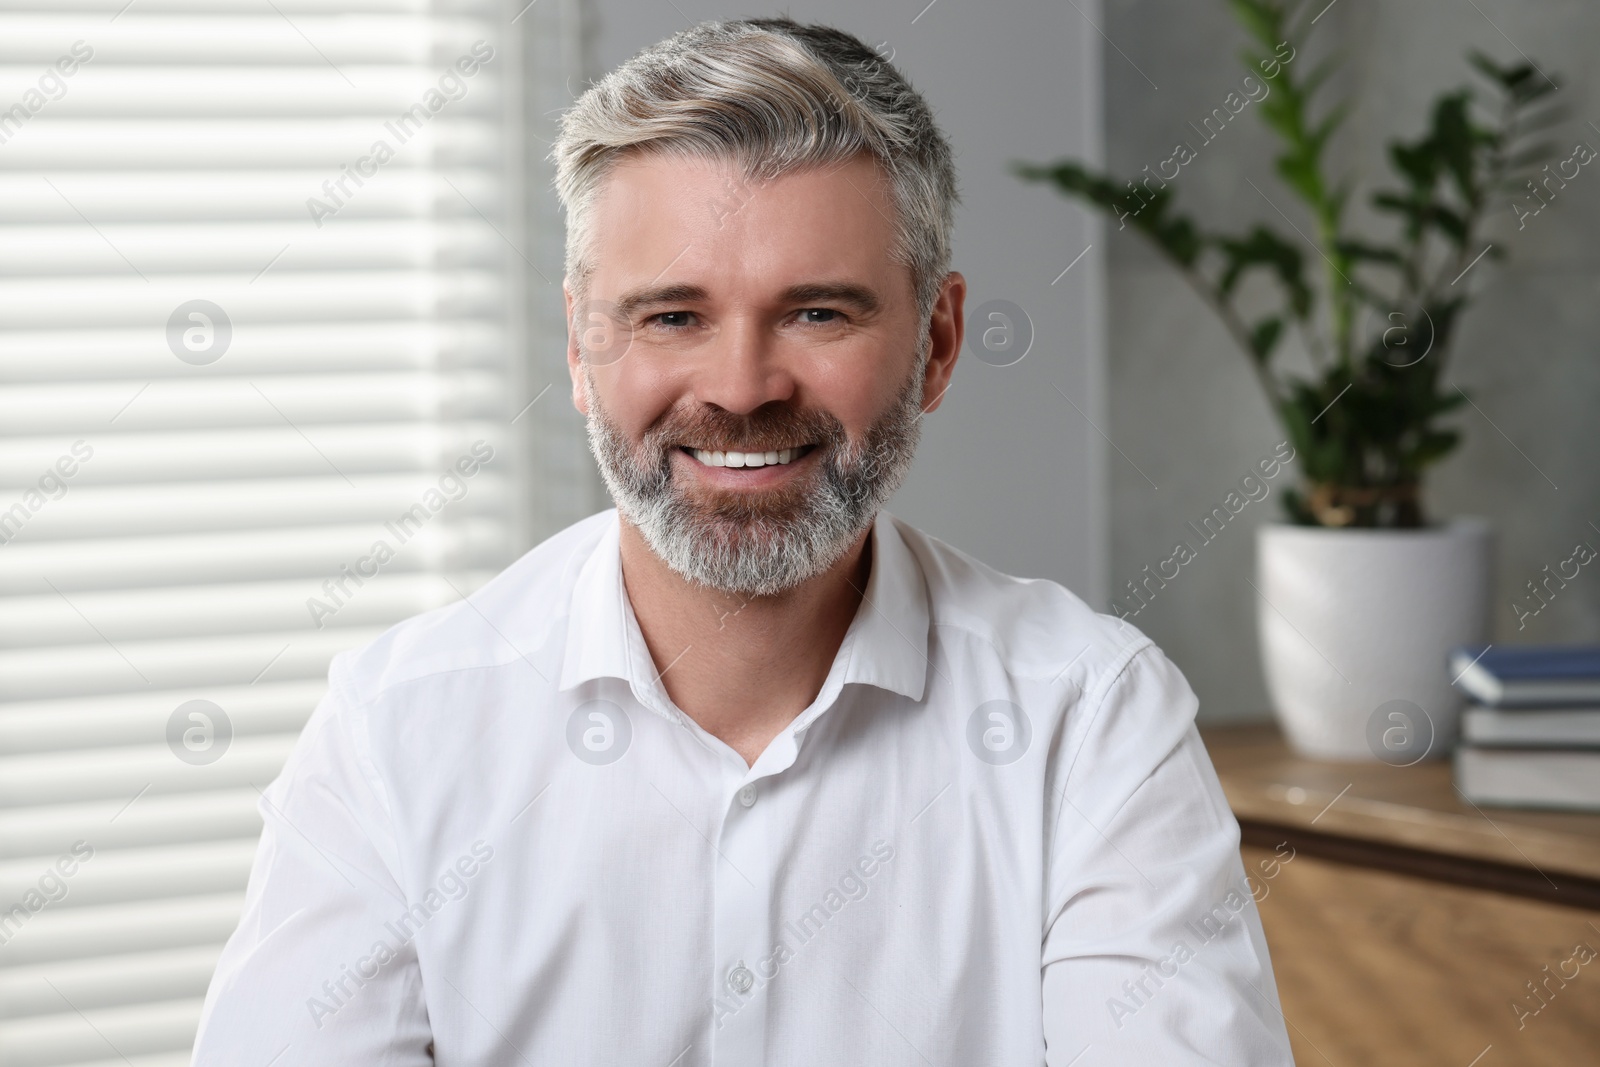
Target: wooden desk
{"x": 1409, "y": 925}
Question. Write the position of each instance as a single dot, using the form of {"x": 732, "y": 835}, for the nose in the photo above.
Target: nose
{"x": 742, "y": 368}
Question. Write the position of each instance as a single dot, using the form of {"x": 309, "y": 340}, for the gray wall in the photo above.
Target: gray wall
{"x": 1185, "y": 409}
{"x": 1007, "y": 469}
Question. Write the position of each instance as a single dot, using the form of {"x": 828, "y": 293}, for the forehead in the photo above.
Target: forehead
{"x": 664, "y": 220}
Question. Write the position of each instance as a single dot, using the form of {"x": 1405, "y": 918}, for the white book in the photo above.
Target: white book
{"x": 1560, "y": 728}
{"x": 1529, "y": 778}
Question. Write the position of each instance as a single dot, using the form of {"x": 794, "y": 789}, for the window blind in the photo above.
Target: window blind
{"x": 263, "y": 393}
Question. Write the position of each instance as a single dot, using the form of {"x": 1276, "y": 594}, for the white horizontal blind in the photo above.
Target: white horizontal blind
{"x": 186, "y": 488}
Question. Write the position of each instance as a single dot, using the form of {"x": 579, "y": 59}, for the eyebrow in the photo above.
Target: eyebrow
{"x": 862, "y": 298}
{"x": 859, "y": 297}
{"x": 650, "y": 296}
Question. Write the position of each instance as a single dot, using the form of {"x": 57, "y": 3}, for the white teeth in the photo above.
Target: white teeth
{"x": 745, "y": 459}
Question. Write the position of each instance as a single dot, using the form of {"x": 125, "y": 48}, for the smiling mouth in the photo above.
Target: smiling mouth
{"x": 777, "y": 457}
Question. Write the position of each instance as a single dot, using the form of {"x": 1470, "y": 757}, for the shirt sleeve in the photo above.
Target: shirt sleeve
{"x": 316, "y": 973}
{"x": 1153, "y": 950}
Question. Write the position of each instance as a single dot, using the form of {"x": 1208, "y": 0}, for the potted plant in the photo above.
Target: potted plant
{"x": 1361, "y": 593}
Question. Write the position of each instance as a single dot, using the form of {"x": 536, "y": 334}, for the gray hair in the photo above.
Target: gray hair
{"x": 771, "y": 95}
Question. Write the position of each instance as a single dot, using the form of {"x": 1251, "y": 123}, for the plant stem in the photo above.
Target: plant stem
{"x": 1241, "y": 333}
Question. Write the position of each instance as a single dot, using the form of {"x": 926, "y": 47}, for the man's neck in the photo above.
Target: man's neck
{"x": 742, "y": 668}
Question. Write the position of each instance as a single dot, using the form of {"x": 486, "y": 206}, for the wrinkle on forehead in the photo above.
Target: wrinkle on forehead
{"x": 669, "y": 220}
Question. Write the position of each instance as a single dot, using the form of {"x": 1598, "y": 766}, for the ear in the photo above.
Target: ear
{"x": 946, "y": 328}
{"x": 574, "y": 358}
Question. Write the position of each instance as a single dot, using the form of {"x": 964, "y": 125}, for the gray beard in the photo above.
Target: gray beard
{"x": 766, "y": 542}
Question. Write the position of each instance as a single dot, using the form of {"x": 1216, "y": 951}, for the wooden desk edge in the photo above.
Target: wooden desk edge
{"x": 1370, "y": 816}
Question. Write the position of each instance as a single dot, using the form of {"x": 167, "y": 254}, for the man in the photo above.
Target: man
{"x": 746, "y": 770}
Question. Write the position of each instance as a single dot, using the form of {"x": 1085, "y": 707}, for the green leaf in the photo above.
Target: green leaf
{"x": 1175, "y": 235}
{"x": 1264, "y": 338}
{"x": 1523, "y": 83}
{"x": 1280, "y": 114}
{"x": 1263, "y": 248}
{"x": 1357, "y": 250}
{"x": 1432, "y": 446}
{"x": 1533, "y": 89}
{"x": 1337, "y": 199}
{"x": 1416, "y": 162}
{"x": 1456, "y": 140}
{"x": 1449, "y": 223}
{"x": 1298, "y": 424}
{"x": 1069, "y": 177}
{"x": 1294, "y": 507}
{"x": 1415, "y": 212}
{"x": 1180, "y": 239}
{"x": 1496, "y": 73}
{"x": 1300, "y": 174}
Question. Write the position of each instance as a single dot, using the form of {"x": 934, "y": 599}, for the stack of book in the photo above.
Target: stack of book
{"x": 1532, "y": 736}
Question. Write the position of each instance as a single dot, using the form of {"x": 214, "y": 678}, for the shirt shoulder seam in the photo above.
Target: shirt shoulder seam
{"x": 1110, "y": 677}
{"x": 358, "y": 724}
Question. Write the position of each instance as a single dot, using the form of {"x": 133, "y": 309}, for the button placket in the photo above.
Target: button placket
{"x": 742, "y": 930}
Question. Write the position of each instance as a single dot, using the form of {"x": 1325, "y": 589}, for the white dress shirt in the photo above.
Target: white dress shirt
{"x": 994, "y": 838}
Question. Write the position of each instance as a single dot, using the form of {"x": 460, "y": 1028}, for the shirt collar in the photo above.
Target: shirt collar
{"x": 886, "y": 644}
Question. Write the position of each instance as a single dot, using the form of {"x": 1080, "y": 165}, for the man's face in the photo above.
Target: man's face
{"x": 726, "y": 318}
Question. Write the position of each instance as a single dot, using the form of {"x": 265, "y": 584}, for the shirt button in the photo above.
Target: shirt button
{"x": 740, "y": 979}
{"x": 747, "y": 795}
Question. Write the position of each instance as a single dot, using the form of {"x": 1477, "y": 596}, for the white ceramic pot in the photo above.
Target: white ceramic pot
{"x": 1355, "y": 626}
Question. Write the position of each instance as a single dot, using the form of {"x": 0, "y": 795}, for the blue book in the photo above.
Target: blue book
{"x": 1528, "y": 676}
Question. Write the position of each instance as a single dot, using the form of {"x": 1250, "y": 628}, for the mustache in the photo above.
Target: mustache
{"x": 718, "y": 430}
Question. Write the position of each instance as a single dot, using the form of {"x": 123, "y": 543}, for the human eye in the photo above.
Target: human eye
{"x": 820, "y": 317}
{"x": 671, "y": 320}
